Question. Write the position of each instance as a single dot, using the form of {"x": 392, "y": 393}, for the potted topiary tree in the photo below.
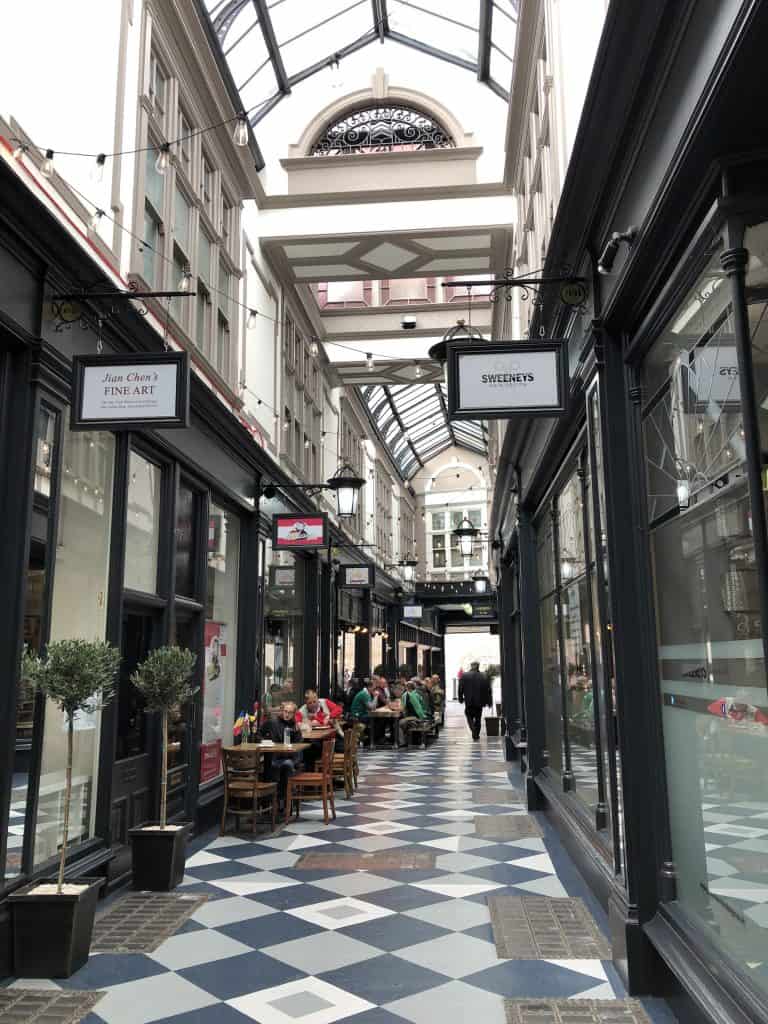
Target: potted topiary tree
{"x": 164, "y": 678}
{"x": 53, "y": 919}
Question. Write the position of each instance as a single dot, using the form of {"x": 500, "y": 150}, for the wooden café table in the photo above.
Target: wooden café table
{"x": 384, "y": 714}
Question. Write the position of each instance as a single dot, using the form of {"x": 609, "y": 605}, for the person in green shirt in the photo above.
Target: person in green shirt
{"x": 363, "y": 702}
{"x": 414, "y": 710}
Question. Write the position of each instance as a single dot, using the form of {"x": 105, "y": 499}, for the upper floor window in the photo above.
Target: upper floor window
{"x": 382, "y": 129}
{"x": 158, "y": 87}
{"x": 206, "y": 186}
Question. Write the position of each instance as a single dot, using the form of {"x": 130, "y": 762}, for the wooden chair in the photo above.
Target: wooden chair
{"x": 357, "y": 731}
{"x": 341, "y": 764}
{"x": 316, "y": 785}
{"x": 243, "y": 787}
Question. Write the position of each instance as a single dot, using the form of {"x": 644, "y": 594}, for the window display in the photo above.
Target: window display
{"x": 220, "y": 640}
{"x": 142, "y": 524}
{"x": 81, "y": 568}
{"x": 710, "y": 644}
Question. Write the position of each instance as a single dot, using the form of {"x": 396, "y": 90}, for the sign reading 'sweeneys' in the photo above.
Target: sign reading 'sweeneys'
{"x": 502, "y": 379}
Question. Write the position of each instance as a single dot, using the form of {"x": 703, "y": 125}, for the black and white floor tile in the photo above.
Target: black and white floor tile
{"x": 281, "y": 945}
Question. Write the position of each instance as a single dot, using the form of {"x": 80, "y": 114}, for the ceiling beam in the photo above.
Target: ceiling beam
{"x": 484, "y": 40}
{"x": 226, "y": 16}
{"x": 380, "y": 18}
{"x": 270, "y": 41}
{"x": 416, "y": 44}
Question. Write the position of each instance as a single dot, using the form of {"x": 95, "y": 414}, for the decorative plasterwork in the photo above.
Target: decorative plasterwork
{"x": 378, "y": 256}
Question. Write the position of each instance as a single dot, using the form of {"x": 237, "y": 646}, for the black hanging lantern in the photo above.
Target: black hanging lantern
{"x": 460, "y": 332}
{"x": 347, "y": 485}
{"x": 466, "y": 533}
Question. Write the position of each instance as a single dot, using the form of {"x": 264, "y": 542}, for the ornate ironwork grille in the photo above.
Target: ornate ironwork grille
{"x": 382, "y": 130}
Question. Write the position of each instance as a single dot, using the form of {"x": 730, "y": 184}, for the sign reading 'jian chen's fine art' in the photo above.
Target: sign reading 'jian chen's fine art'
{"x": 130, "y": 392}
{"x": 498, "y": 380}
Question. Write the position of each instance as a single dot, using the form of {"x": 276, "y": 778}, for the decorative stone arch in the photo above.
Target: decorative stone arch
{"x": 380, "y": 93}
{"x": 453, "y": 467}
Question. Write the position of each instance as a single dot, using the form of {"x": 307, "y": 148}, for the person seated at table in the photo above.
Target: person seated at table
{"x": 320, "y": 712}
{"x": 424, "y": 689}
{"x": 274, "y": 729}
{"x": 413, "y": 711}
{"x": 363, "y": 702}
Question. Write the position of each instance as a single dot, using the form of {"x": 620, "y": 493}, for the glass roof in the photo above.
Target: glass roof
{"x": 412, "y": 421}
{"x": 272, "y": 45}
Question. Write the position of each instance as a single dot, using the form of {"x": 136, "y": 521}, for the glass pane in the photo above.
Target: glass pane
{"x": 204, "y": 257}
{"x": 82, "y": 569}
{"x": 181, "y": 213}
{"x": 570, "y": 525}
{"x": 438, "y": 520}
{"x": 457, "y": 517}
{"x": 283, "y": 627}
{"x": 710, "y": 643}
{"x": 154, "y": 182}
{"x": 475, "y": 516}
{"x": 150, "y": 250}
{"x": 580, "y": 705}
{"x": 220, "y": 639}
{"x": 143, "y": 524}
{"x": 186, "y": 531}
{"x": 46, "y": 426}
{"x": 545, "y": 555}
{"x": 345, "y": 291}
{"x": 34, "y": 603}
{"x": 553, "y": 708}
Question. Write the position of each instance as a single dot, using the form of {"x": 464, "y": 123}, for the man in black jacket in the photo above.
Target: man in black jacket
{"x": 475, "y": 694}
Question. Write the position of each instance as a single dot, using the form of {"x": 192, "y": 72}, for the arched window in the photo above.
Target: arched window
{"x": 382, "y": 129}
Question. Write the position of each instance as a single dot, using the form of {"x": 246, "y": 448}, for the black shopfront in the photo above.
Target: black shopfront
{"x": 632, "y": 539}
{"x": 141, "y": 538}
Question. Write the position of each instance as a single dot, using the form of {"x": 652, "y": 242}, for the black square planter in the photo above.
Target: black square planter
{"x": 52, "y": 933}
{"x": 158, "y": 857}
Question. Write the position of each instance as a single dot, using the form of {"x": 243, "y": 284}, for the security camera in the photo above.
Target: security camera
{"x": 408, "y": 323}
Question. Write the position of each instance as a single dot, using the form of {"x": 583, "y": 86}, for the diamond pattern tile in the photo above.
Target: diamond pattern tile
{"x": 383, "y": 916}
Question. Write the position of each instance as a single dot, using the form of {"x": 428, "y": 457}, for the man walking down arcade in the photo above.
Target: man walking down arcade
{"x": 475, "y": 694}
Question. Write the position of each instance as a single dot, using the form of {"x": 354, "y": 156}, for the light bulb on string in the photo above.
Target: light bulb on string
{"x": 94, "y": 219}
{"x": 19, "y": 151}
{"x": 307, "y": 443}
{"x": 185, "y": 283}
{"x": 97, "y": 171}
{"x": 250, "y": 323}
{"x": 314, "y": 349}
{"x": 47, "y": 169}
{"x": 335, "y": 69}
{"x": 161, "y": 163}
{"x": 240, "y": 134}
{"x": 418, "y": 371}
{"x": 369, "y": 363}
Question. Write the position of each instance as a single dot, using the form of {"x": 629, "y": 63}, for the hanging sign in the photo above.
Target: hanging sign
{"x": 501, "y": 379}
{"x": 282, "y": 576}
{"x": 130, "y": 392}
{"x": 412, "y": 611}
{"x": 309, "y": 531}
{"x": 357, "y": 576}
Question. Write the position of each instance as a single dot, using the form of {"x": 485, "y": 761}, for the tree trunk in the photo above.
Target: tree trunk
{"x": 164, "y": 769}
{"x": 67, "y": 799}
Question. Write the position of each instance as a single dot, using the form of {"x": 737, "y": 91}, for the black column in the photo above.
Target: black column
{"x": 311, "y": 623}
{"x": 327, "y": 630}
{"x": 363, "y": 641}
{"x": 509, "y": 670}
{"x": 634, "y": 646}
{"x": 393, "y": 629}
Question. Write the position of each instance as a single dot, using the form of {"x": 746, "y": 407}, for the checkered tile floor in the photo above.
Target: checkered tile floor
{"x": 281, "y": 945}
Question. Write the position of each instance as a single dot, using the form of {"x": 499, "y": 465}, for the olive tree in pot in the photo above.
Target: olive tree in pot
{"x": 164, "y": 678}
{"x": 53, "y": 919}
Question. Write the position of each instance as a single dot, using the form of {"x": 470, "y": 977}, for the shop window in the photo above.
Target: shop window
{"x": 220, "y": 638}
{"x": 78, "y": 609}
{"x": 284, "y": 617}
{"x": 706, "y": 584}
{"x": 186, "y": 533}
{"x": 142, "y": 524}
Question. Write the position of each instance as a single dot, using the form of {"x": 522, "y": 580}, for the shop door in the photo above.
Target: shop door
{"x": 182, "y": 722}
{"x": 132, "y": 776}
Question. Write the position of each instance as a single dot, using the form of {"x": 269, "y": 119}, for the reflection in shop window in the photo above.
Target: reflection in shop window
{"x": 142, "y": 534}
{"x": 710, "y": 643}
{"x": 79, "y": 607}
{"x": 283, "y": 627}
{"x": 220, "y": 639}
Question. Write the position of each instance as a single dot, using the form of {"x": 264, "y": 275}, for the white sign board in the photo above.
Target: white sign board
{"x": 412, "y": 611}
{"x": 129, "y": 392}
{"x": 357, "y": 576}
{"x": 501, "y": 379}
